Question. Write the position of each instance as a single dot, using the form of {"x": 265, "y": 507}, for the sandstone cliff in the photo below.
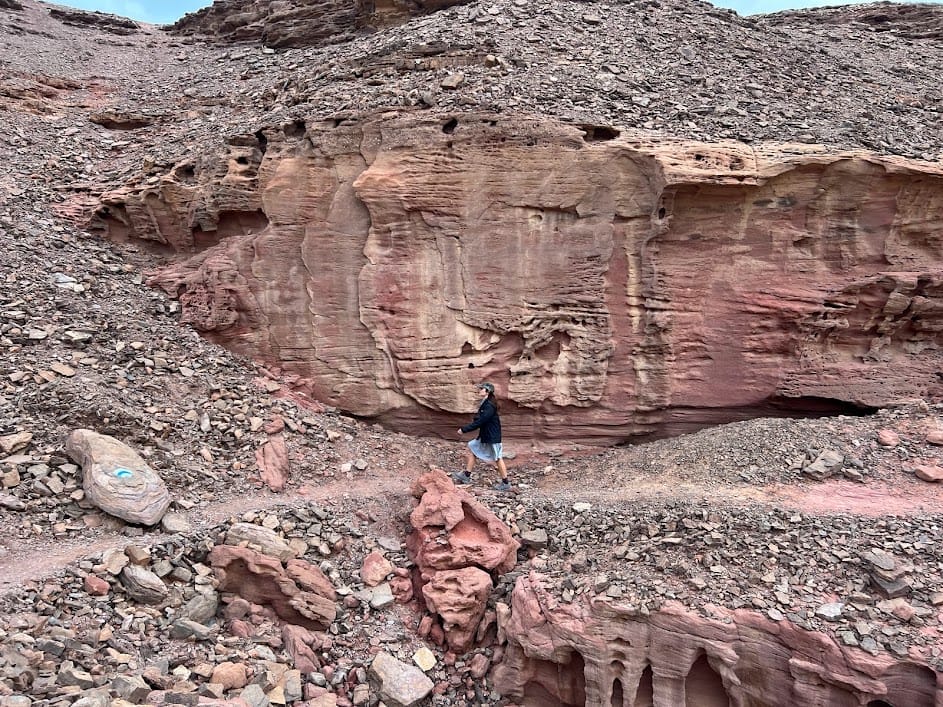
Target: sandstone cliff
{"x": 611, "y": 286}
{"x": 606, "y": 654}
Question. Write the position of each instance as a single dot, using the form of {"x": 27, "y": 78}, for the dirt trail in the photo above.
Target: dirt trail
{"x": 46, "y": 556}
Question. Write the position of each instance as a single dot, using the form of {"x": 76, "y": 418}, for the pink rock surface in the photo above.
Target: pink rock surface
{"x": 888, "y": 438}
{"x": 272, "y": 460}
{"x": 453, "y": 530}
{"x": 459, "y": 597}
{"x": 609, "y": 288}
{"x": 928, "y": 472}
{"x": 588, "y": 651}
{"x": 261, "y": 579}
{"x": 375, "y": 569}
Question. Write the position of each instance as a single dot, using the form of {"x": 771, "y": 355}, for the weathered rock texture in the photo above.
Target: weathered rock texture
{"x": 459, "y": 547}
{"x": 916, "y": 21}
{"x": 277, "y": 23}
{"x": 117, "y": 479}
{"x": 598, "y": 654}
{"x": 610, "y": 286}
{"x": 298, "y": 592}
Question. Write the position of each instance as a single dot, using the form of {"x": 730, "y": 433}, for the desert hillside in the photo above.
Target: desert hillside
{"x": 255, "y": 248}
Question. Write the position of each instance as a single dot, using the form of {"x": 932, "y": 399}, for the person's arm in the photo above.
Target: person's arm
{"x": 485, "y": 413}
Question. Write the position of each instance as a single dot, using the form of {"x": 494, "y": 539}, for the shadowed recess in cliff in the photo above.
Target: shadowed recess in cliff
{"x": 556, "y": 684}
{"x": 704, "y": 687}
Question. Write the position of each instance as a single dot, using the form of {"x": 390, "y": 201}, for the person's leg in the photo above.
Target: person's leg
{"x": 502, "y": 469}
{"x": 469, "y": 461}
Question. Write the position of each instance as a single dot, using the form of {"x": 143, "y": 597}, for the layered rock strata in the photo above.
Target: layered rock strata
{"x": 300, "y": 24}
{"x": 459, "y": 548}
{"x": 610, "y": 286}
{"x": 600, "y": 653}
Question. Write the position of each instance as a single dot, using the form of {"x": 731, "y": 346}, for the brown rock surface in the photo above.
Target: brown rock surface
{"x": 589, "y": 652}
{"x": 609, "y": 288}
{"x": 294, "y": 23}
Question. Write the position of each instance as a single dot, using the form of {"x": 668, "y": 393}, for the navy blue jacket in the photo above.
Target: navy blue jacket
{"x": 487, "y": 423}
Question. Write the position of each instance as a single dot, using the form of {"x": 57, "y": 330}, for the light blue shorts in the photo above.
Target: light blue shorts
{"x": 485, "y": 452}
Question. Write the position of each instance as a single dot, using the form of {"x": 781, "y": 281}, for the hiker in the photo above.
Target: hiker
{"x": 487, "y": 446}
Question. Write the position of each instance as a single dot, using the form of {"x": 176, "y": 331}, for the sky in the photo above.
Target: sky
{"x": 168, "y": 11}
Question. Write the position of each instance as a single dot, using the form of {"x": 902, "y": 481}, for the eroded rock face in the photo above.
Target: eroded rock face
{"x": 458, "y": 546}
{"x": 611, "y": 286}
{"x": 277, "y": 23}
{"x": 598, "y": 654}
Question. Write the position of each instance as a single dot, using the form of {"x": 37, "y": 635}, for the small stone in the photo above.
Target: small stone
{"x": 888, "y": 438}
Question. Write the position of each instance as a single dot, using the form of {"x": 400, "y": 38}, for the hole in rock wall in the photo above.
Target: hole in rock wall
{"x": 879, "y": 703}
{"x": 556, "y": 684}
{"x": 294, "y": 129}
{"x": 704, "y": 687}
{"x": 617, "y": 697}
{"x": 230, "y": 223}
{"x": 598, "y": 133}
{"x": 262, "y": 140}
{"x": 450, "y": 126}
{"x": 909, "y": 684}
{"x": 645, "y": 692}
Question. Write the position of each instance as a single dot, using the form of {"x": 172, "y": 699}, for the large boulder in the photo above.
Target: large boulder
{"x": 459, "y": 547}
{"x": 117, "y": 479}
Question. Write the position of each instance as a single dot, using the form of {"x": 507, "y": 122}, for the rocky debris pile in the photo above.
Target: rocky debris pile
{"x": 810, "y": 570}
{"x": 226, "y": 613}
{"x": 282, "y": 604}
{"x": 844, "y": 86}
{"x": 297, "y": 24}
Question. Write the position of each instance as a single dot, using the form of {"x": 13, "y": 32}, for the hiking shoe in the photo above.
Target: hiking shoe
{"x": 502, "y": 485}
{"x": 461, "y": 477}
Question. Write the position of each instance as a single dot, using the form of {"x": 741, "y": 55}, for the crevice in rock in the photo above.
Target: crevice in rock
{"x": 229, "y": 223}
{"x": 598, "y": 133}
{"x": 645, "y": 692}
{"x": 556, "y": 684}
{"x": 703, "y": 687}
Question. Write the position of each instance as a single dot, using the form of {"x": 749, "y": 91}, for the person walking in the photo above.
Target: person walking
{"x": 487, "y": 446}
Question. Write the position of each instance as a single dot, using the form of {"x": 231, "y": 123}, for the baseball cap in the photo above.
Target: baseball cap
{"x": 486, "y": 386}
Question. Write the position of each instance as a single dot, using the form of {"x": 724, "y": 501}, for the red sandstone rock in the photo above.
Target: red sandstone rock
{"x": 301, "y": 645}
{"x": 586, "y": 652}
{"x": 459, "y": 597}
{"x": 928, "y": 472}
{"x": 375, "y": 569}
{"x": 454, "y": 541}
{"x": 935, "y": 437}
{"x": 888, "y": 438}
{"x": 272, "y": 459}
{"x": 232, "y": 676}
{"x": 96, "y": 586}
{"x": 619, "y": 287}
{"x": 473, "y": 535}
{"x": 261, "y": 579}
